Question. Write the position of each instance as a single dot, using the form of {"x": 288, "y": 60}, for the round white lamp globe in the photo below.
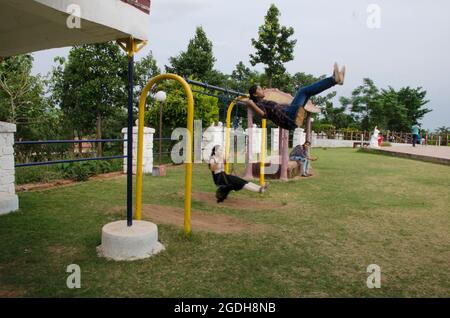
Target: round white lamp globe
{"x": 161, "y": 96}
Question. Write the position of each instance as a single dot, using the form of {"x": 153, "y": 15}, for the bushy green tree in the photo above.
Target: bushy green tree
{"x": 23, "y": 102}
{"x": 175, "y": 108}
{"x": 442, "y": 130}
{"x": 386, "y": 108}
{"x": 414, "y": 101}
{"x": 217, "y": 78}
{"x": 22, "y": 99}
{"x": 336, "y": 116}
{"x": 145, "y": 69}
{"x": 362, "y": 101}
{"x": 90, "y": 87}
{"x": 243, "y": 77}
{"x": 197, "y": 61}
{"x": 273, "y": 47}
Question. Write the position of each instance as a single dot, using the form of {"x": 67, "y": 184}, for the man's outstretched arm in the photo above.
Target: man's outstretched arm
{"x": 251, "y": 104}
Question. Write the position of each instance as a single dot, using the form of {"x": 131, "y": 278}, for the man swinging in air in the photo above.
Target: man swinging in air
{"x": 291, "y": 116}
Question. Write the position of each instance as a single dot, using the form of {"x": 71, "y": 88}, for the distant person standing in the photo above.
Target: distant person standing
{"x": 415, "y": 130}
{"x": 380, "y": 139}
{"x": 425, "y": 139}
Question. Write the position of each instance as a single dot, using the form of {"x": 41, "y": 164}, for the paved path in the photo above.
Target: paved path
{"x": 425, "y": 153}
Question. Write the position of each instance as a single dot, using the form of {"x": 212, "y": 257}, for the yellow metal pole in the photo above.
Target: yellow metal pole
{"x": 131, "y": 45}
{"x": 263, "y": 152}
{"x": 228, "y": 131}
{"x": 189, "y": 147}
{"x": 227, "y": 136}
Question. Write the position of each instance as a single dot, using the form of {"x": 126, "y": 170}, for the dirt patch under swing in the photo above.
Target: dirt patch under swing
{"x": 7, "y": 291}
{"x": 200, "y": 221}
{"x": 237, "y": 203}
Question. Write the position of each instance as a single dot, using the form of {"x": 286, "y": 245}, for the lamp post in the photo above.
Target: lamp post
{"x": 309, "y": 121}
{"x": 161, "y": 97}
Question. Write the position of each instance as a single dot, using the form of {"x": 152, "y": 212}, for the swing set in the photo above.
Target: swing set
{"x": 238, "y": 98}
{"x": 189, "y": 142}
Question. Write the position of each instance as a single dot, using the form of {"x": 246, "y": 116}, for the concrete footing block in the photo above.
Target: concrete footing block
{"x": 123, "y": 243}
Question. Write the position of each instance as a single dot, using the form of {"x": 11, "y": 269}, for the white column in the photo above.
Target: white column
{"x": 147, "y": 163}
{"x": 9, "y": 201}
{"x": 275, "y": 142}
{"x": 313, "y": 139}
{"x": 256, "y": 142}
{"x": 212, "y": 136}
{"x": 257, "y": 136}
{"x": 299, "y": 137}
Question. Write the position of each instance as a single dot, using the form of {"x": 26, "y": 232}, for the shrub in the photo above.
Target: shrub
{"x": 38, "y": 174}
{"x": 102, "y": 167}
{"x": 82, "y": 171}
{"x": 349, "y": 130}
{"x": 78, "y": 171}
{"x": 116, "y": 165}
{"x": 327, "y": 127}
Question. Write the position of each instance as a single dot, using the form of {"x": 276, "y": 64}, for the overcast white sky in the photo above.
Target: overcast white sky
{"x": 411, "y": 48}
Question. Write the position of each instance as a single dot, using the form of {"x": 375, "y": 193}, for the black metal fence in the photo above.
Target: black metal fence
{"x": 64, "y": 152}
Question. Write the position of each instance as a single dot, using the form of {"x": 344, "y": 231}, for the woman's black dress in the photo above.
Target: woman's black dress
{"x": 226, "y": 183}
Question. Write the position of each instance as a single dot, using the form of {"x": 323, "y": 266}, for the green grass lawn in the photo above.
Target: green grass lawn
{"x": 360, "y": 209}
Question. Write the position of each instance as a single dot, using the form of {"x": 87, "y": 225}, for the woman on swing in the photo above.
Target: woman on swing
{"x": 291, "y": 116}
{"x": 226, "y": 182}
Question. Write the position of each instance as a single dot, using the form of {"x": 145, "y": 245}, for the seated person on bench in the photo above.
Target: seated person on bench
{"x": 300, "y": 153}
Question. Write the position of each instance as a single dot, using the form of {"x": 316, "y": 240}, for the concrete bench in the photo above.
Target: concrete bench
{"x": 358, "y": 143}
{"x": 293, "y": 170}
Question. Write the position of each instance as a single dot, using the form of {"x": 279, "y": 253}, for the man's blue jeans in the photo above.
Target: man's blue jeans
{"x": 304, "y": 162}
{"x": 305, "y": 93}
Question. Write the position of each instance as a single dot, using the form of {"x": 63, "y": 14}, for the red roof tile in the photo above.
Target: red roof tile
{"x": 143, "y": 5}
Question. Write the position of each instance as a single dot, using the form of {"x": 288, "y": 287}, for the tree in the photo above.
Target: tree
{"x": 91, "y": 87}
{"x": 273, "y": 47}
{"x": 386, "y": 108}
{"x": 388, "y": 112}
{"x": 145, "y": 70}
{"x": 197, "y": 61}
{"x": 363, "y": 100}
{"x": 175, "y": 108}
{"x": 442, "y": 130}
{"x": 414, "y": 101}
{"x": 300, "y": 79}
{"x": 23, "y": 102}
{"x": 242, "y": 77}
{"x": 21, "y": 94}
{"x": 336, "y": 116}
{"x": 217, "y": 78}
